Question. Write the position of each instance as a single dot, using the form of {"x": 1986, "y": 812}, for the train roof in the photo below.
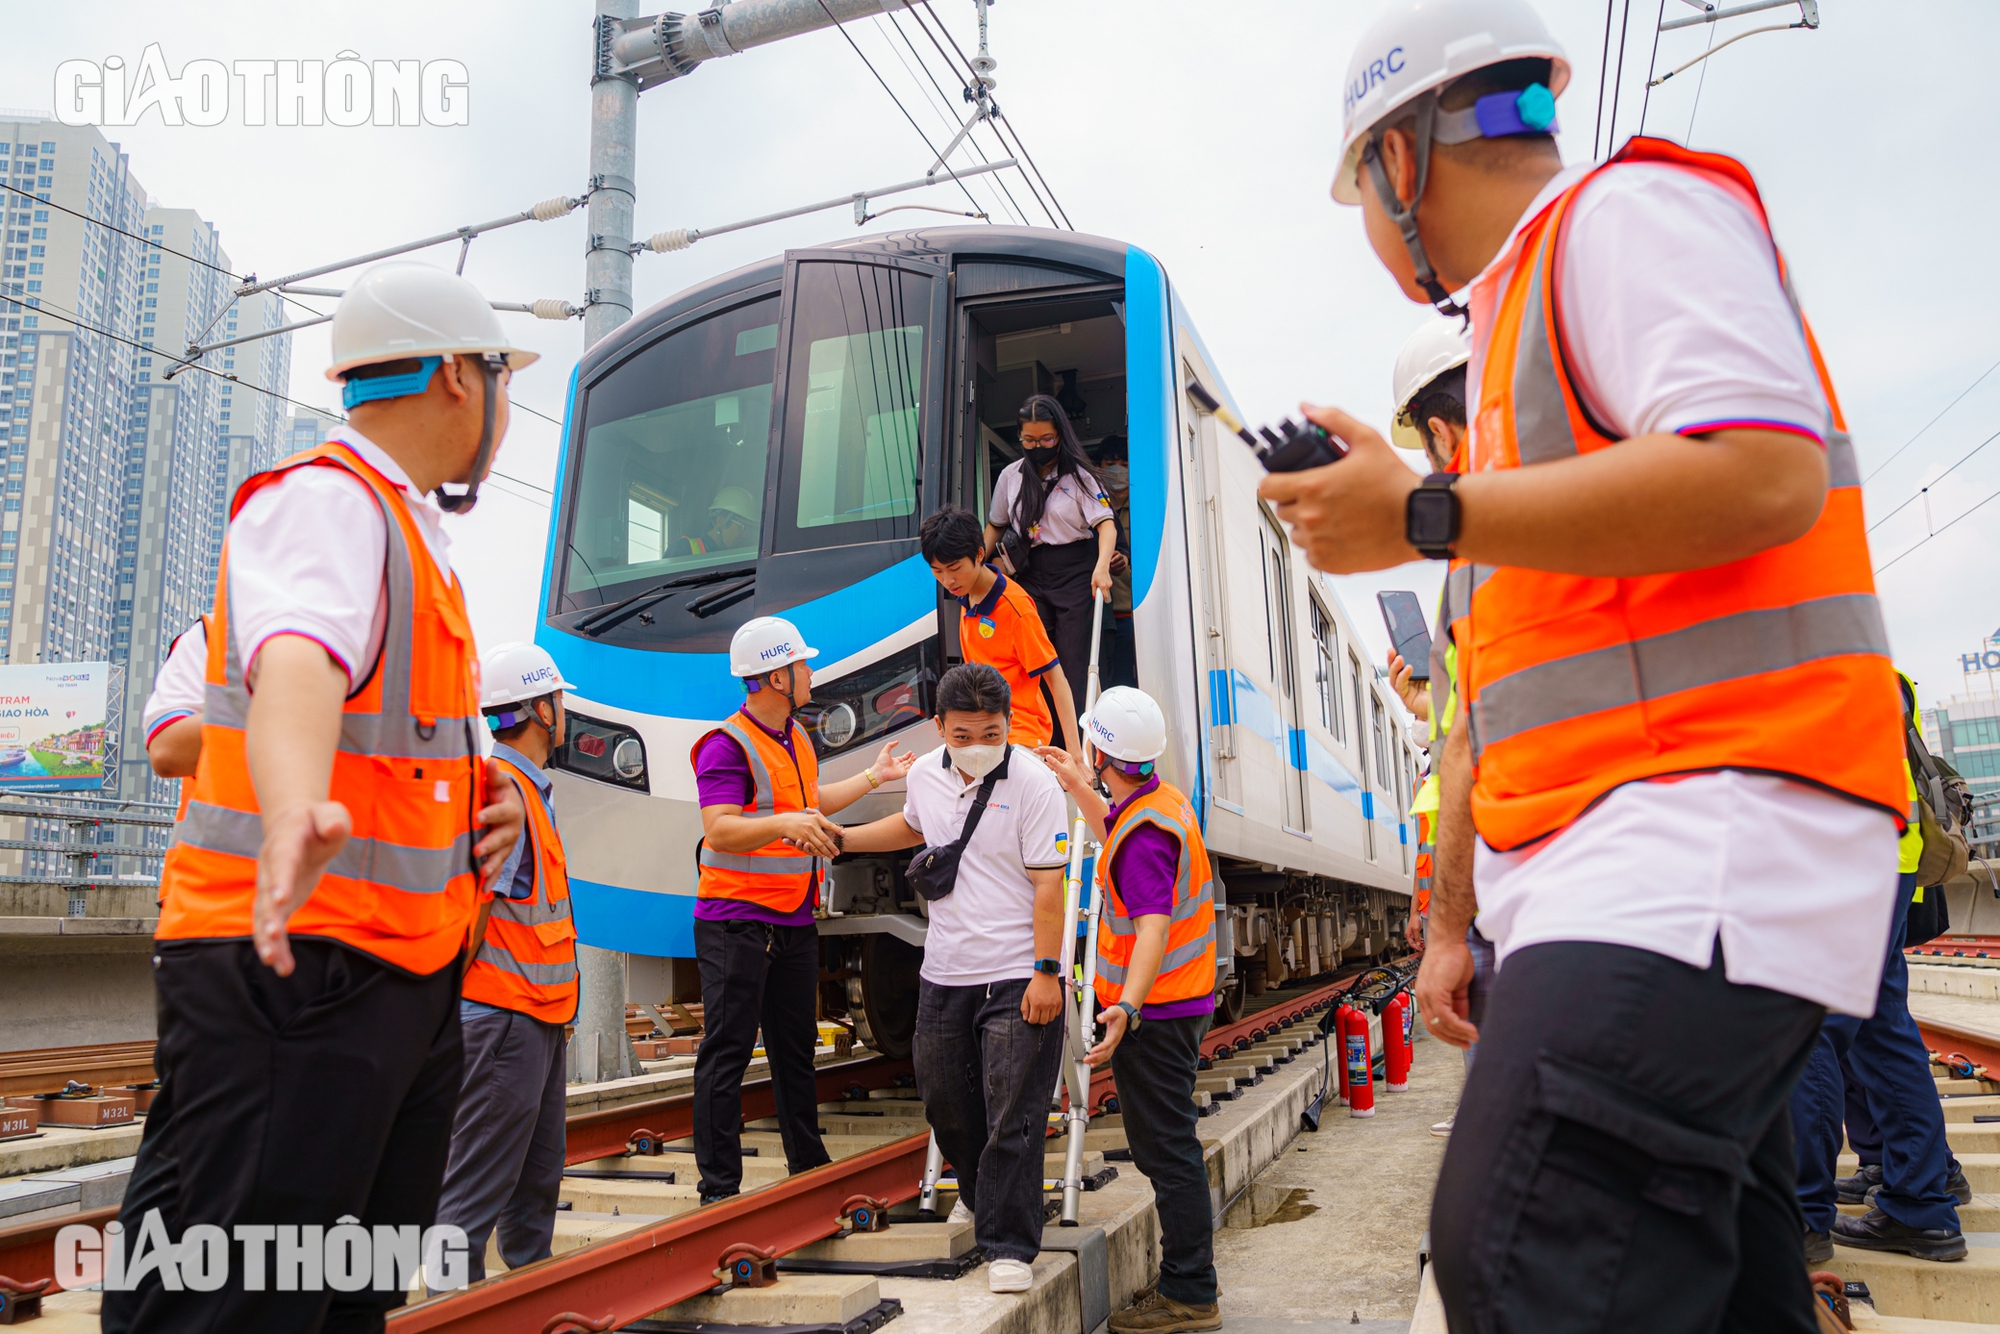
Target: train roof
{"x": 1047, "y": 246}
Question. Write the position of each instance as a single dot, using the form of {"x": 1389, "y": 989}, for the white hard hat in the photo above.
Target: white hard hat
{"x": 765, "y": 644}
{"x": 514, "y": 672}
{"x": 1127, "y": 725}
{"x": 1436, "y": 347}
{"x": 400, "y": 310}
{"x": 735, "y": 500}
{"x": 1415, "y": 46}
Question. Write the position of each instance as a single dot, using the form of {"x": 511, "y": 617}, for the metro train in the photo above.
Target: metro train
{"x": 843, "y": 393}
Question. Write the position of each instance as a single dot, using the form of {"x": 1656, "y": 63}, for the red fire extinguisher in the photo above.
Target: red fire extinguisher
{"x": 1360, "y": 1064}
{"x": 1339, "y": 1040}
{"x": 1396, "y": 1043}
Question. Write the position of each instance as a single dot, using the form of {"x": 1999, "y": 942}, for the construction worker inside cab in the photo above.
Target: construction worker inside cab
{"x": 321, "y": 892}
{"x": 1686, "y": 781}
{"x": 1156, "y": 984}
{"x": 765, "y": 841}
{"x": 732, "y": 526}
{"x": 507, "y": 1141}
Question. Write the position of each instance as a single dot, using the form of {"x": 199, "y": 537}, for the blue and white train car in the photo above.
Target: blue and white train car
{"x": 850, "y": 391}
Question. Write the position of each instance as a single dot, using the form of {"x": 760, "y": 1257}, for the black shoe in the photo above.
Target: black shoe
{"x": 1876, "y": 1231}
{"x": 1960, "y": 1188}
{"x": 1854, "y": 1189}
{"x": 1819, "y": 1247}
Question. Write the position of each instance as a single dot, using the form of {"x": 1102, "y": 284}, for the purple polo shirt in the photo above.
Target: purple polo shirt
{"x": 722, "y": 778}
{"x": 1144, "y": 869}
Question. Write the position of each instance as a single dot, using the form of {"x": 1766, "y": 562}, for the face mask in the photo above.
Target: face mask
{"x": 978, "y": 761}
{"x": 1041, "y": 458}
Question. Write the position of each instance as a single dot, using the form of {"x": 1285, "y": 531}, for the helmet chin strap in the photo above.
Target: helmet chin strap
{"x": 791, "y": 694}
{"x": 491, "y": 364}
{"x": 1405, "y": 216}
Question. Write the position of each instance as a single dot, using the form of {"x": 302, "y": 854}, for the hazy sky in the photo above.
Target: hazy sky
{"x": 1203, "y": 132}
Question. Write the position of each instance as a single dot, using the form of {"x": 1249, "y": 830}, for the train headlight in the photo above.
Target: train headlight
{"x": 628, "y": 760}
{"x": 838, "y": 724}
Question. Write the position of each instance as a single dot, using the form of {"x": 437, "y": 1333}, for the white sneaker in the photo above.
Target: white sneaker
{"x": 1009, "y": 1276}
{"x": 1443, "y": 1128}
{"x": 960, "y": 1213}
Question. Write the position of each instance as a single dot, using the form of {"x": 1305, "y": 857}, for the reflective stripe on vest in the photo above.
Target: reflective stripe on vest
{"x": 776, "y": 876}
{"x": 527, "y": 961}
{"x": 1187, "y": 968}
{"x": 1776, "y": 663}
{"x": 402, "y": 888}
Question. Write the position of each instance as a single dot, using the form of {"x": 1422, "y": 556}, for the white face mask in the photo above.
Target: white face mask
{"x": 978, "y": 761}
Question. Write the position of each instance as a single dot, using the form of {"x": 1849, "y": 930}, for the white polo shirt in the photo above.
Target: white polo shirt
{"x": 984, "y": 930}
{"x": 180, "y": 689}
{"x": 307, "y": 555}
{"x": 1674, "y": 321}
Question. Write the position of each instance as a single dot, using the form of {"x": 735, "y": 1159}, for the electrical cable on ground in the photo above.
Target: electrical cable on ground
{"x": 1019, "y": 146}
{"x": 848, "y": 37}
{"x": 944, "y": 111}
{"x": 1932, "y": 422}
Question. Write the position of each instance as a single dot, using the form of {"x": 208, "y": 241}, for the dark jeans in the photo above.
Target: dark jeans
{"x": 986, "y": 1076}
{"x": 1155, "y": 1068}
{"x": 1886, "y": 1058}
{"x": 507, "y": 1141}
{"x": 1481, "y": 986}
{"x": 1622, "y": 1158}
{"x": 294, "y": 1100}
{"x": 755, "y": 975}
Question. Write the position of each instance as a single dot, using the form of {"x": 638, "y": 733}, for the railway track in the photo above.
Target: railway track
{"x": 51, "y": 1069}
{"x": 604, "y": 1284}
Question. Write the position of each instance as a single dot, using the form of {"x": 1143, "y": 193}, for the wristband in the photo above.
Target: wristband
{"x": 1049, "y": 966}
{"x": 873, "y": 781}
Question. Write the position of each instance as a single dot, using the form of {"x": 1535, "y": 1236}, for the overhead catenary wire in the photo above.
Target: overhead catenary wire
{"x": 1699, "y": 85}
{"x": 1026, "y": 179}
{"x": 1618, "y": 77}
{"x": 1646, "y": 102}
{"x": 1020, "y": 148}
{"x": 1977, "y": 381}
{"x": 1013, "y": 206}
{"x": 1603, "y": 70}
{"x": 1937, "y": 533}
{"x": 1925, "y": 488}
{"x": 849, "y": 39}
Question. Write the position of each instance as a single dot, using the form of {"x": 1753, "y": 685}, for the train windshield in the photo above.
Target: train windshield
{"x": 675, "y": 443}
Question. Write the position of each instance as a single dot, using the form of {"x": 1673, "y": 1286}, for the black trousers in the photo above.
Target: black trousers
{"x": 508, "y": 1138}
{"x": 294, "y": 1100}
{"x": 1622, "y": 1158}
{"x": 753, "y": 975}
{"x": 1156, "y": 1069}
{"x": 1058, "y": 579}
{"x": 986, "y": 1076}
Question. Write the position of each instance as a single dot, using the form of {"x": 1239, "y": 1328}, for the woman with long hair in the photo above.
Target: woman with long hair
{"x": 1056, "y": 525}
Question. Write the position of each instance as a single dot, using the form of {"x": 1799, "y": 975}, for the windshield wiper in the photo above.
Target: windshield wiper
{"x": 620, "y": 612}
{"x": 726, "y": 596}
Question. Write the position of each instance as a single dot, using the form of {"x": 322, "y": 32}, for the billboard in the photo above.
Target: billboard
{"x": 54, "y": 730}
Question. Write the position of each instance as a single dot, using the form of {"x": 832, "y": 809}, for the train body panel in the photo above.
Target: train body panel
{"x": 842, "y": 394}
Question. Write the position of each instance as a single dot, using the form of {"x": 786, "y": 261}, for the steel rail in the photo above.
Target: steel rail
{"x": 605, "y": 1133}
{"x": 614, "y": 1282}
{"x": 48, "y": 1069}
{"x": 1950, "y": 1039}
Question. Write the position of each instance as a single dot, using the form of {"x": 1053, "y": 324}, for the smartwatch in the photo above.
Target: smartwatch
{"x": 1049, "y": 966}
{"x": 1431, "y": 516}
{"x": 1131, "y": 1015}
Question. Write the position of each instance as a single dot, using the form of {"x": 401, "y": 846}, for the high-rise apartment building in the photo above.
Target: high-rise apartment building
{"x": 120, "y": 460}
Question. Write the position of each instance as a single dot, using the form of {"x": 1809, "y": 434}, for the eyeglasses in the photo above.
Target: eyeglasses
{"x": 1038, "y": 441}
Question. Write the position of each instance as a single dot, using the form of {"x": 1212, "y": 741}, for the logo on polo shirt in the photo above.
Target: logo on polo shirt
{"x": 1062, "y": 844}
{"x": 986, "y": 627}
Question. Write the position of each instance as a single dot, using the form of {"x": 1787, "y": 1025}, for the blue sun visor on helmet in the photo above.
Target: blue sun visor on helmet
{"x": 353, "y": 392}
{"x": 1498, "y": 115}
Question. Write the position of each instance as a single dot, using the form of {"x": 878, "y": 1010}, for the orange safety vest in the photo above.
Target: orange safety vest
{"x": 777, "y": 876}
{"x": 527, "y": 960}
{"x": 1187, "y": 969}
{"x": 1777, "y": 663}
{"x": 403, "y": 888}
{"x": 1426, "y": 858}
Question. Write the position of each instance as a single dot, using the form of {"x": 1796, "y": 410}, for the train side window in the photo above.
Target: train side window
{"x": 1380, "y": 737}
{"x": 1326, "y": 673}
{"x": 852, "y": 451}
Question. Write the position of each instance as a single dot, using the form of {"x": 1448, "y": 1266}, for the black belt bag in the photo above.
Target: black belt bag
{"x": 933, "y": 872}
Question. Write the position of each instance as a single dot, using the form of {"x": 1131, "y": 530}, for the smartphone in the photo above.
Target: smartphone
{"x": 1405, "y": 618}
